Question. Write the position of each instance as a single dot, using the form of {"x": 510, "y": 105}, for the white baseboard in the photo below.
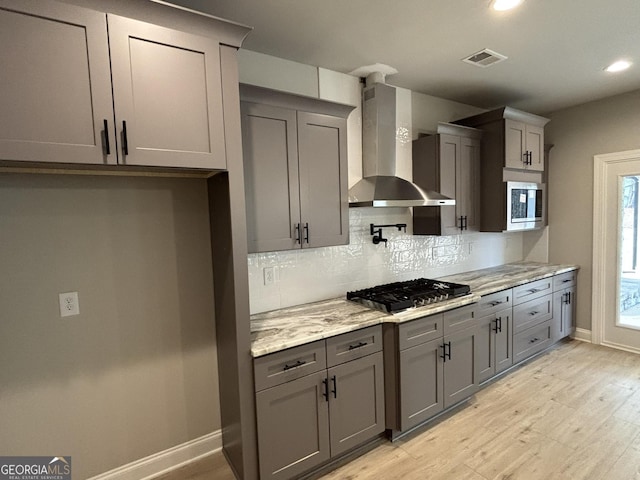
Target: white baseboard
{"x": 582, "y": 335}
{"x": 167, "y": 460}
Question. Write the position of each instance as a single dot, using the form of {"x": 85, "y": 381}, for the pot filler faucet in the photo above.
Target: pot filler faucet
{"x": 377, "y": 234}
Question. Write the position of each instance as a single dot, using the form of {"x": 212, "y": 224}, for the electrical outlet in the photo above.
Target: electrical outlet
{"x": 69, "y": 304}
{"x": 269, "y": 275}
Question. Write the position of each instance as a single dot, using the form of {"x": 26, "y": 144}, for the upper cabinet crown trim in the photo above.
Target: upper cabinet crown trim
{"x": 504, "y": 113}
{"x": 278, "y": 98}
{"x": 459, "y": 130}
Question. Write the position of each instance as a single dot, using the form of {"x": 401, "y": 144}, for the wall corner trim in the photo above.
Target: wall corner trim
{"x": 582, "y": 334}
{"x": 167, "y": 460}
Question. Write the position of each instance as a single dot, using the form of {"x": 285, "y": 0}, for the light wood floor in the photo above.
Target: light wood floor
{"x": 572, "y": 413}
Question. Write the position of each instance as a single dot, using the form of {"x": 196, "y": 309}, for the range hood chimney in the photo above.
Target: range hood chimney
{"x": 380, "y": 187}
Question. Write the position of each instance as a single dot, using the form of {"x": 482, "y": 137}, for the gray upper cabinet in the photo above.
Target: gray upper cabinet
{"x": 167, "y": 92}
{"x": 295, "y": 162}
{"x": 513, "y": 138}
{"x": 524, "y": 145}
{"x": 56, "y": 86}
{"x": 448, "y": 162}
{"x": 81, "y": 86}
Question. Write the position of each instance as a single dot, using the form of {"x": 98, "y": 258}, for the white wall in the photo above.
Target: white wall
{"x": 321, "y": 273}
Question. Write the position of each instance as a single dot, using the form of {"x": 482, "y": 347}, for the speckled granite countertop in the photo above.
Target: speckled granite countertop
{"x": 289, "y": 327}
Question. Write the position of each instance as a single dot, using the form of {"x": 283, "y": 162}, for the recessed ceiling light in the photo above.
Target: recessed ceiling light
{"x": 618, "y": 66}
{"x": 501, "y": 5}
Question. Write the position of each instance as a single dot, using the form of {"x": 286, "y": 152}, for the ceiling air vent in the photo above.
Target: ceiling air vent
{"x": 484, "y": 58}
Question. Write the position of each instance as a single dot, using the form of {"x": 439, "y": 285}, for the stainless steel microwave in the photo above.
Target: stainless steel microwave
{"x": 526, "y": 209}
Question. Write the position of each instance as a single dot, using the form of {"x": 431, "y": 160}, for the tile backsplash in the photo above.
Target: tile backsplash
{"x": 302, "y": 276}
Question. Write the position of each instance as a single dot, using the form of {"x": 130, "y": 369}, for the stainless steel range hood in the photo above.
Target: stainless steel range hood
{"x": 380, "y": 186}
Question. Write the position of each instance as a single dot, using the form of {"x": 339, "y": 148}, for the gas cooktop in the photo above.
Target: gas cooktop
{"x": 398, "y": 296}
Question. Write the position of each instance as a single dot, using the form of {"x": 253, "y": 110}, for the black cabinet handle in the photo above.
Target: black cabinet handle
{"x": 125, "y": 140}
{"x": 295, "y": 365}
{"x": 534, "y": 340}
{"x": 297, "y": 233}
{"x": 465, "y": 222}
{"x": 569, "y": 298}
{"x": 107, "y": 146}
{"x": 444, "y": 352}
{"x": 499, "y": 324}
{"x": 497, "y": 328}
{"x": 449, "y": 350}
{"x": 534, "y": 290}
{"x": 325, "y": 394}
{"x": 359, "y": 345}
{"x": 306, "y": 233}
{"x": 563, "y": 281}
{"x": 335, "y": 387}
{"x": 461, "y": 222}
{"x": 493, "y": 304}
{"x": 533, "y": 313}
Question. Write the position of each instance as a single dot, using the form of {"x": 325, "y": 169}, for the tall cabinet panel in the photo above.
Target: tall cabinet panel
{"x": 167, "y": 96}
{"x": 271, "y": 176}
{"x": 56, "y": 88}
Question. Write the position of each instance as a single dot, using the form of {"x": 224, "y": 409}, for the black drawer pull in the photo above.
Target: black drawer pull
{"x": 295, "y": 365}
{"x": 534, "y": 290}
{"x": 533, "y": 313}
{"x": 534, "y": 340}
{"x": 325, "y": 394}
{"x": 125, "y": 139}
{"x": 359, "y": 345}
{"x": 335, "y": 387}
{"x": 297, "y": 233}
{"x": 493, "y": 304}
{"x": 567, "y": 280}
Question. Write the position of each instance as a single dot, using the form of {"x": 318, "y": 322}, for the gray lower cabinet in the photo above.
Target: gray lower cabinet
{"x": 303, "y": 421}
{"x": 295, "y": 165}
{"x": 293, "y": 427}
{"x": 564, "y": 304}
{"x": 428, "y": 371}
{"x": 460, "y": 371}
{"x": 421, "y": 383}
{"x": 118, "y": 90}
{"x": 494, "y": 352}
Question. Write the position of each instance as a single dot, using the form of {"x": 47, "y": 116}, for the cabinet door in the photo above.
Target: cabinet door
{"x": 322, "y": 156}
{"x": 468, "y": 183}
{"x": 504, "y": 340}
{"x": 56, "y": 87}
{"x": 515, "y": 143}
{"x": 485, "y": 352}
{"x": 449, "y": 146}
{"x": 167, "y": 90}
{"x": 535, "y": 145}
{"x": 293, "y": 427}
{"x": 557, "y": 325}
{"x": 356, "y": 402}
{"x": 270, "y": 151}
{"x": 460, "y": 379}
{"x": 421, "y": 385}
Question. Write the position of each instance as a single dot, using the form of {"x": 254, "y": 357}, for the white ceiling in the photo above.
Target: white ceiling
{"x": 557, "y": 49}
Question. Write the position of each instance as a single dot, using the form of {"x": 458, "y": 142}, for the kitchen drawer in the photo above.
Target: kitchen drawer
{"x": 531, "y": 341}
{"x": 531, "y": 313}
{"x": 417, "y": 332}
{"x": 290, "y": 364}
{"x": 532, "y": 290}
{"x": 490, "y": 304}
{"x": 352, "y": 345}
{"x": 459, "y": 319}
{"x": 565, "y": 280}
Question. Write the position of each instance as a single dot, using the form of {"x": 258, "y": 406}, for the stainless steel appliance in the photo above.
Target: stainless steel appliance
{"x": 526, "y": 209}
{"x": 399, "y": 296}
